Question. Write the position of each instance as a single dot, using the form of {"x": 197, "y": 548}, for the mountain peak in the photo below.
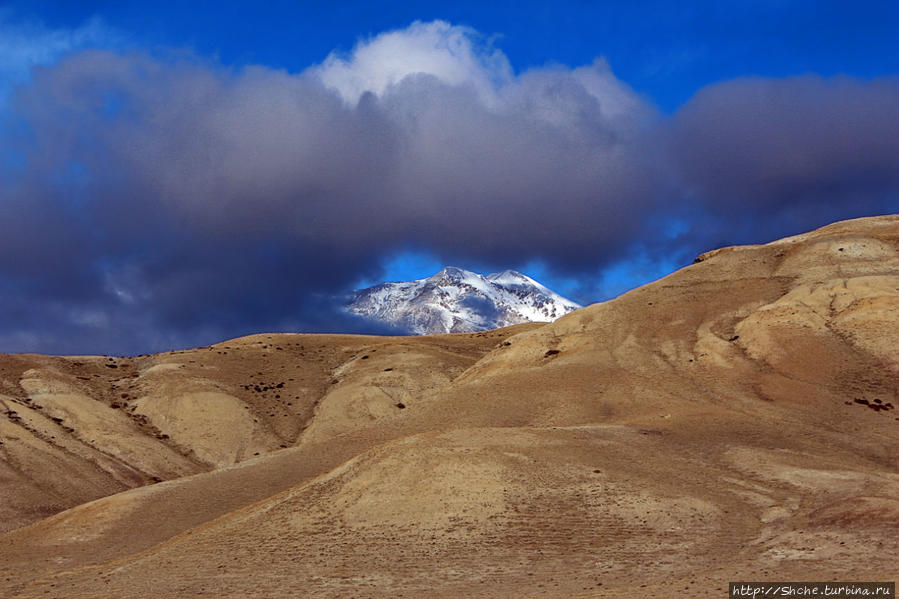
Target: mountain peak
{"x": 456, "y": 300}
{"x": 453, "y": 272}
{"x": 510, "y": 276}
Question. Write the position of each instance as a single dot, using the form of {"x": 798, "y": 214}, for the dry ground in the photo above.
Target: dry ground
{"x": 733, "y": 421}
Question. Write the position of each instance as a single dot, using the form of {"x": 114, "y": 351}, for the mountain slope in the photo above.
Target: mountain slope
{"x": 459, "y": 301}
{"x": 73, "y": 429}
{"x": 733, "y": 421}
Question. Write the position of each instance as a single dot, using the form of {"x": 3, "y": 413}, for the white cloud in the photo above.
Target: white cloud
{"x": 459, "y": 57}
{"x": 452, "y": 54}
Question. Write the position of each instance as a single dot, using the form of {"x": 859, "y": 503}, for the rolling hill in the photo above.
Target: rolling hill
{"x": 732, "y": 421}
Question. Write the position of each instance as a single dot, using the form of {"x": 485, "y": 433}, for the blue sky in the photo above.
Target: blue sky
{"x": 180, "y": 172}
{"x": 664, "y": 50}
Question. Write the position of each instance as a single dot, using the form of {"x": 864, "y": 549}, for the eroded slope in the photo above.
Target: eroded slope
{"x": 73, "y": 429}
{"x": 734, "y": 420}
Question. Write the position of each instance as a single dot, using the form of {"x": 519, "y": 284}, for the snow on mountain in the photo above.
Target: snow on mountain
{"x": 456, "y": 300}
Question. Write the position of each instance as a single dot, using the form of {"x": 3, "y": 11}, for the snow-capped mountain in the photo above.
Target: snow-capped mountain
{"x": 457, "y": 301}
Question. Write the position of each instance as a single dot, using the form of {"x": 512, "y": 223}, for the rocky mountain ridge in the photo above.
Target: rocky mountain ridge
{"x": 456, "y": 300}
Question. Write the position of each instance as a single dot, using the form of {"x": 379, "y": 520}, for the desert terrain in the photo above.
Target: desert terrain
{"x": 734, "y": 420}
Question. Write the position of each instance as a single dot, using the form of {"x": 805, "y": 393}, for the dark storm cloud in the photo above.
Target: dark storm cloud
{"x": 183, "y": 202}
{"x": 778, "y": 156}
{"x": 153, "y": 202}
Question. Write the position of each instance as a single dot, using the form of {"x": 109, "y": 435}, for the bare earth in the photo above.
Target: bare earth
{"x": 732, "y": 421}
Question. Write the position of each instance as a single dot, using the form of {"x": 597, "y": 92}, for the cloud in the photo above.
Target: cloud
{"x": 158, "y": 201}
{"x": 796, "y": 151}
{"x": 452, "y": 55}
{"x": 27, "y": 44}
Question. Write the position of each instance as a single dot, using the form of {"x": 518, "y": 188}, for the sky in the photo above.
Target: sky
{"x": 174, "y": 174}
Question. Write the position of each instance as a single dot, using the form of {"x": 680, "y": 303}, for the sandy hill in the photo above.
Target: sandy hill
{"x": 732, "y": 421}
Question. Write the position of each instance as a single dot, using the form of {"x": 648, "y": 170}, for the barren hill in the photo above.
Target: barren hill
{"x": 732, "y": 421}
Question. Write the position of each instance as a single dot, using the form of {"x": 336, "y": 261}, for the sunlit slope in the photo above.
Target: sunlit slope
{"x": 73, "y": 429}
{"x": 803, "y": 329}
{"x": 497, "y": 512}
{"x": 734, "y": 420}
